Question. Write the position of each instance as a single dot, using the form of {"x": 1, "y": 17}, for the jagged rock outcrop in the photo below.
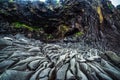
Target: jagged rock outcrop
{"x": 118, "y": 7}
{"x": 88, "y": 48}
{"x": 97, "y": 20}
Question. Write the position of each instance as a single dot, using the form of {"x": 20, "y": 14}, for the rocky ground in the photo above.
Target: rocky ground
{"x": 29, "y": 59}
{"x": 95, "y": 20}
{"x": 83, "y": 38}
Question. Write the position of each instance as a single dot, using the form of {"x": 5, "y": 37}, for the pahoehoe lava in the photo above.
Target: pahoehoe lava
{"x": 25, "y": 59}
{"x": 66, "y": 40}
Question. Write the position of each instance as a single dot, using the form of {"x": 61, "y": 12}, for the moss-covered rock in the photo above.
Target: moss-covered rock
{"x": 22, "y": 25}
{"x": 97, "y": 19}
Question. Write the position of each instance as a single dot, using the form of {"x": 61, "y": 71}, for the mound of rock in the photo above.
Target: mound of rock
{"x": 97, "y": 21}
{"x": 29, "y": 59}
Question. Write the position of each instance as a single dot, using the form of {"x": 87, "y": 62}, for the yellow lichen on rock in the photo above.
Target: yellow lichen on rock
{"x": 100, "y": 14}
{"x": 62, "y": 29}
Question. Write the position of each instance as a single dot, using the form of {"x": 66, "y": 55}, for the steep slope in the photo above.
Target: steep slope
{"x": 98, "y": 21}
{"x": 85, "y": 37}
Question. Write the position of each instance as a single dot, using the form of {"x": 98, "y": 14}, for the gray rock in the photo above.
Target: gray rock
{"x": 72, "y": 65}
{"x": 5, "y": 64}
{"x": 86, "y": 69}
{"x": 29, "y": 59}
{"x": 24, "y": 40}
{"x": 62, "y": 72}
{"x": 8, "y": 38}
{"x": 34, "y": 49}
{"x": 54, "y": 62}
{"x": 100, "y": 73}
{"x": 34, "y": 64}
{"x": 70, "y": 76}
{"x": 44, "y": 73}
{"x": 21, "y": 67}
{"x": 20, "y": 54}
{"x": 52, "y": 73}
{"x": 36, "y": 74}
{"x": 80, "y": 74}
{"x": 15, "y": 75}
{"x": 113, "y": 56}
{"x": 4, "y": 42}
{"x": 45, "y": 78}
{"x": 110, "y": 69}
{"x": 19, "y": 36}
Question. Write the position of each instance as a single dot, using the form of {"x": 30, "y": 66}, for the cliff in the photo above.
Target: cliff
{"x": 95, "y": 21}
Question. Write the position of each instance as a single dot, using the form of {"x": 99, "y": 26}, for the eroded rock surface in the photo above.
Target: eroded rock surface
{"x": 97, "y": 21}
{"x": 29, "y": 59}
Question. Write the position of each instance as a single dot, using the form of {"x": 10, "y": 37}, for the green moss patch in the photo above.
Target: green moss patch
{"x": 21, "y": 25}
{"x": 79, "y": 34}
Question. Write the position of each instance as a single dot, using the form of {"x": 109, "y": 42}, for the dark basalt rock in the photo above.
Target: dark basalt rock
{"x": 118, "y": 7}
{"x": 99, "y": 21}
{"x": 84, "y": 40}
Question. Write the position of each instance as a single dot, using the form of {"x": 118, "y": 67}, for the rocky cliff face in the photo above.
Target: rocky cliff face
{"x": 84, "y": 34}
{"x": 95, "y": 20}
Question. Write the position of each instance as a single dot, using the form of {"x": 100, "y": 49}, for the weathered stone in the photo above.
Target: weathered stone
{"x": 20, "y": 54}
{"x": 70, "y": 76}
{"x": 5, "y": 64}
{"x": 15, "y": 75}
{"x": 44, "y": 73}
{"x": 34, "y": 64}
{"x": 34, "y": 49}
{"x": 62, "y": 72}
{"x": 55, "y": 62}
{"x": 4, "y": 42}
{"x": 113, "y": 56}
